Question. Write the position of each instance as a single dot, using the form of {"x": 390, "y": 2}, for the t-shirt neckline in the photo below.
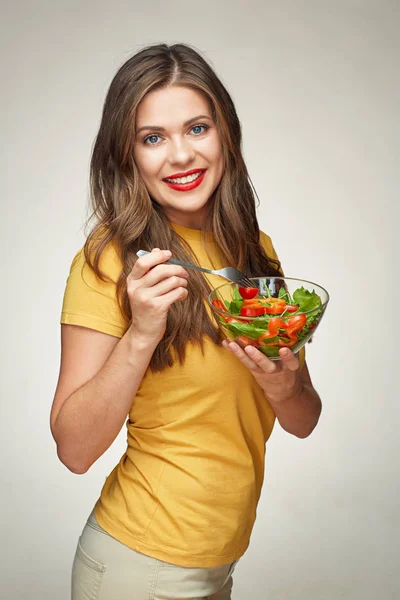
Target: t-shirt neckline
{"x": 192, "y": 234}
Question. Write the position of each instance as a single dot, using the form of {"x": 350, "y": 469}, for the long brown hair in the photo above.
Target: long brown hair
{"x": 126, "y": 215}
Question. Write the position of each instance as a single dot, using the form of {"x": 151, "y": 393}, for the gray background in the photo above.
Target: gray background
{"x": 316, "y": 85}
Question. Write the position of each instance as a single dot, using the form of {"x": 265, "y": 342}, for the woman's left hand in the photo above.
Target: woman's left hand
{"x": 279, "y": 379}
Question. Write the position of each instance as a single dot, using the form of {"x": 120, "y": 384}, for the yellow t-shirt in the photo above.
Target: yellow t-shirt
{"x": 187, "y": 487}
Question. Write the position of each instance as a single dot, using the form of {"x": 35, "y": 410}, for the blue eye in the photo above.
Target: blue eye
{"x": 198, "y": 129}
{"x": 152, "y": 139}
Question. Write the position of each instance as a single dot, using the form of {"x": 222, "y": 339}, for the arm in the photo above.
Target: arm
{"x": 298, "y": 413}
{"x": 100, "y": 375}
{"x": 286, "y": 385}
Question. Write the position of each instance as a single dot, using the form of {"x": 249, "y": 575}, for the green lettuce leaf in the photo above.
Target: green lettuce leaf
{"x": 235, "y": 306}
{"x": 270, "y": 350}
{"x": 252, "y": 331}
{"x": 306, "y": 300}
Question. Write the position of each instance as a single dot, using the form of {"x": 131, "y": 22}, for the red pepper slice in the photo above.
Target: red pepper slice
{"x": 243, "y": 341}
{"x": 275, "y": 309}
{"x": 264, "y": 301}
{"x": 296, "y": 323}
{"x": 252, "y": 311}
{"x": 252, "y": 302}
{"x": 219, "y": 304}
{"x": 274, "y": 324}
{"x": 289, "y": 344}
{"x": 271, "y": 306}
{"x": 272, "y": 332}
{"x": 264, "y": 338}
{"x": 275, "y": 301}
{"x": 275, "y": 306}
{"x": 233, "y": 320}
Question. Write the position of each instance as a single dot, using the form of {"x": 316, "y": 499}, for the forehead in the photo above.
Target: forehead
{"x": 170, "y": 105}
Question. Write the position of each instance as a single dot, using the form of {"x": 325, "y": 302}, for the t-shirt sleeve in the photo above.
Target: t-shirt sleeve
{"x": 91, "y": 302}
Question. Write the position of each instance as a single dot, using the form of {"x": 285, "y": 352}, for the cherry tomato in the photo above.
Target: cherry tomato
{"x": 247, "y": 292}
{"x": 291, "y": 308}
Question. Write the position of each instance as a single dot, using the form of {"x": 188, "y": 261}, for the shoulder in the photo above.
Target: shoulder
{"x": 91, "y": 301}
{"x": 110, "y": 263}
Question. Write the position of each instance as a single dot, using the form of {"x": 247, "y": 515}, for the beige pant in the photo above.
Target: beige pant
{"x": 105, "y": 569}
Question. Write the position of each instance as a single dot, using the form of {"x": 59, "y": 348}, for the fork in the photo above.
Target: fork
{"x": 229, "y": 273}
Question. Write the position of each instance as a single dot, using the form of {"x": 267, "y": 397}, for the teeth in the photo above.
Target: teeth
{"x": 187, "y": 179}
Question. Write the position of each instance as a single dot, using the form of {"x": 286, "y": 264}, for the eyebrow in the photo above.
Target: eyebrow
{"x": 186, "y": 124}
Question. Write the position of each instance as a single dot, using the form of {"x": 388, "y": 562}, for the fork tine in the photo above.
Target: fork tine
{"x": 246, "y": 282}
{"x": 229, "y": 273}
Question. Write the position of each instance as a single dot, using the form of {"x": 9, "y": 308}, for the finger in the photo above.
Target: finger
{"x": 144, "y": 302}
{"x": 164, "y": 286}
{"x": 241, "y": 355}
{"x": 289, "y": 360}
{"x": 263, "y": 362}
{"x": 176, "y": 295}
{"x": 148, "y": 261}
{"x": 157, "y": 274}
{"x": 161, "y": 272}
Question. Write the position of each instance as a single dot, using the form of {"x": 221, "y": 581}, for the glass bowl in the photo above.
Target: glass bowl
{"x": 278, "y": 312}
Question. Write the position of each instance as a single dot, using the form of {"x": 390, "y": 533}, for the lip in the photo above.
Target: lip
{"x": 187, "y": 187}
{"x": 178, "y": 175}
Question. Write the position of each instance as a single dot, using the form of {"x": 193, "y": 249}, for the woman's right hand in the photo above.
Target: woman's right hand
{"x": 152, "y": 288}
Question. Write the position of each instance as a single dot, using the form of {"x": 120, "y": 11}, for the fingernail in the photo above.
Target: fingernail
{"x": 167, "y": 253}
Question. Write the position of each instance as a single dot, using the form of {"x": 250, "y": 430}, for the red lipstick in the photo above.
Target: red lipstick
{"x": 185, "y": 187}
{"x": 177, "y": 175}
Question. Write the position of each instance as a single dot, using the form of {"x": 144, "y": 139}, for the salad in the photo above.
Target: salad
{"x": 273, "y": 323}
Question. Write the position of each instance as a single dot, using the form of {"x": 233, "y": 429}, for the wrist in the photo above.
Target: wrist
{"x": 140, "y": 343}
{"x": 292, "y": 395}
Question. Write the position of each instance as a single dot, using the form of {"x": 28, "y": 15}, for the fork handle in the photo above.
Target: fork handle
{"x": 173, "y": 261}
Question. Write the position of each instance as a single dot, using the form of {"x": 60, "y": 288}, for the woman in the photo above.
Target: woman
{"x": 168, "y": 176}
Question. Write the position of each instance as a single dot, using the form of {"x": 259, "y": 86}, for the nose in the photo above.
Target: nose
{"x": 181, "y": 151}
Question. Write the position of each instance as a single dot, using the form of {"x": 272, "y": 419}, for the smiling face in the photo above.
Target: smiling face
{"x": 178, "y": 153}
